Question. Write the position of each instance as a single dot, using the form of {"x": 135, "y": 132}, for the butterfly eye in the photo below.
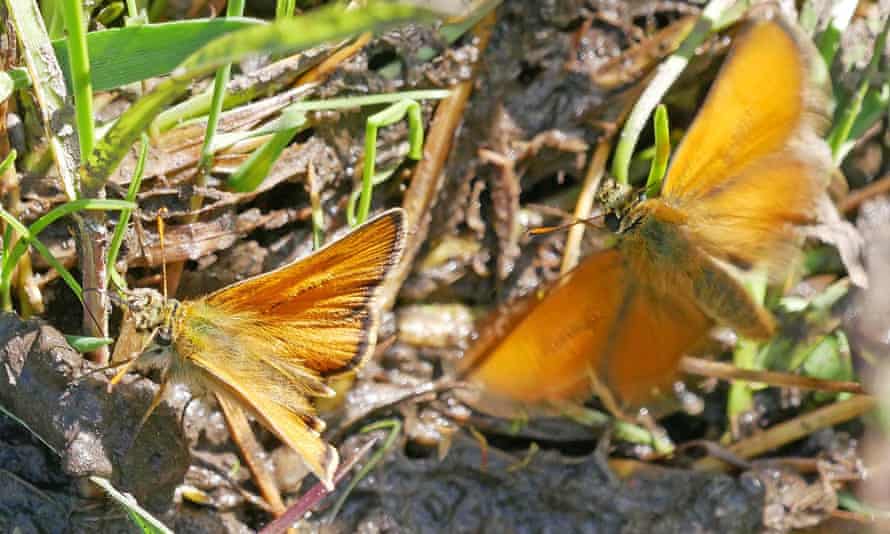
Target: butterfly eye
{"x": 613, "y": 223}
{"x": 164, "y": 337}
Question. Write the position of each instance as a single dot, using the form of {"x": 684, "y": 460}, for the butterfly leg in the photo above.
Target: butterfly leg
{"x": 601, "y": 456}
{"x": 661, "y": 441}
{"x": 159, "y": 396}
{"x": 607, "y": 397}
{"x": 118, "y": 376}
{"x": 251, "y": 452}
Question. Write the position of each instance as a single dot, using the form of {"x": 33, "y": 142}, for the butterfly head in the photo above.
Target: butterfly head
{"x": 618, "y": 201}
{"x": 152, "y": 313}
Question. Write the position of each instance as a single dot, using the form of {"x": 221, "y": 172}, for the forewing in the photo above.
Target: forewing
{"x": 322, "y": 308}
{"x": 599, "y": 323}
{"x": 753, "y": 161}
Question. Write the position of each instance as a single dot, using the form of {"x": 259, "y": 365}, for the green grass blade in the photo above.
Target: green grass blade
{"x": 282, "y": 36}
{"x": 829, "y": 41}
{"x": 388, "y": 116}
{"x": 79, "y": 59}
{"x": 121, "y": 56}
{"x": 85, "y": 344}
{"x": 221, "y": 80}
{"x": 842, "y": 130}
{"x": 28, "y": 236}
{"x": 8, "y": 265}
{"x": 117, "y": 238}
{"x": 8, "y": 161}
{"x": 395, "y": 429}
{"x": 288, "y": 120}
{"x": 254, "y": 170}
{"x": 144, "y": 520}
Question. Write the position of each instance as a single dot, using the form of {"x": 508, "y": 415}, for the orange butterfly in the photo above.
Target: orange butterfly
{"x": 267, "y": 344}
{"x": 751, "y": 166}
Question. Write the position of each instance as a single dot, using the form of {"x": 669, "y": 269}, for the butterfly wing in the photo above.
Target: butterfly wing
{"x": 267, "y": 343}
{"x": 323, "y": 307}
{"x": 598, "y": 321}
{"x": 294, "y": 430}
{"x": 753, "y": 161}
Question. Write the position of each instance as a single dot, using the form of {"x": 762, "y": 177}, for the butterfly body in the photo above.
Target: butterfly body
{"x": 751, "y": 166}
{"x": 266, "y": 345}
{"x": 654, "y": 233}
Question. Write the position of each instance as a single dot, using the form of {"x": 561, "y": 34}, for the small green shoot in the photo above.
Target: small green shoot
{"x": 662, "y": 152}
{"x": 379, "y": 178}
{"x": 293, "y": 120}
{"x": 256, "y": 167}
{"x": 388, "y": 116}
{"x": 624, "y": 430}
{"x": 315, "y": 204}
{"x": 829, "y": 41}
{"x": 8, "y": 161}
{"x": 6, "y": 272}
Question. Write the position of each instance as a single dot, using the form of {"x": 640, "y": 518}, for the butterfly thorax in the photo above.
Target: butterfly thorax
{"x": 655, "y": 230}
{"x": 655, "y": 242}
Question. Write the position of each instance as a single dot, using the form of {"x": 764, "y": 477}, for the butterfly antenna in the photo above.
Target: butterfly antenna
{"x": 595, "y": 222}
{"x": 161, "y": 213}
{"x": 90, "y": 312}
{"x": 92, "y": 372}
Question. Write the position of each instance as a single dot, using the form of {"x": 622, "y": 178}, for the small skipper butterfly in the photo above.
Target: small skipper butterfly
{"x": 751, "y": 166}
{"x": 266, "y": 345}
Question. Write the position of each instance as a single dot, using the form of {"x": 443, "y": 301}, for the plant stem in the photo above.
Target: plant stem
{"x": 284, "y": 8}
{"x": 121, "y": 228}
{"x": 79, "y": 59}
